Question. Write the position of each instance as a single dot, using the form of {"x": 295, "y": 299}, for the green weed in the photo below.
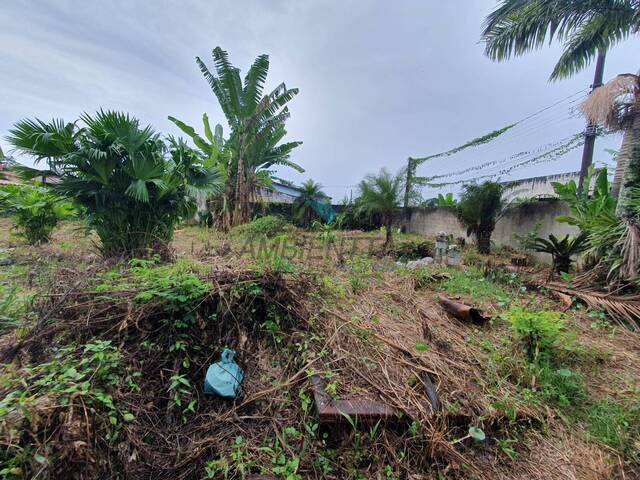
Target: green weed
{"x": 617, "y": 426}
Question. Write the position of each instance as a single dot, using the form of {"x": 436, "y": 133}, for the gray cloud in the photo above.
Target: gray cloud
{"x": 379, "y": 81}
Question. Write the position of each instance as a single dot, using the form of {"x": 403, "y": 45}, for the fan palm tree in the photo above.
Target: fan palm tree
{"x": 381, "y": 194}
{"x": 480, "y": 206}
{"x": 256, "y": 121}
{"x": 585, "y": 27}
{"x": 133, "y": 186}
{"x": 309, "y": 193}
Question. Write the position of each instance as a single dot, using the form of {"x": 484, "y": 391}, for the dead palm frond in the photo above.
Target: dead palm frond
{"x": 610, "y": 105}
{"x": 630, "y": 250}
{"x": 623, "y": 309}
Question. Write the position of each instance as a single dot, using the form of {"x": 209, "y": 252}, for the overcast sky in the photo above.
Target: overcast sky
{"x": 379, "y": 80}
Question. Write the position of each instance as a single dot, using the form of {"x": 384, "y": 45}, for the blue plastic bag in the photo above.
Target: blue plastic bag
{"x": 224, "y": 377}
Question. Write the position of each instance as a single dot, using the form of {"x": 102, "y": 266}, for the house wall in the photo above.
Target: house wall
{"x": 520, "y": 219}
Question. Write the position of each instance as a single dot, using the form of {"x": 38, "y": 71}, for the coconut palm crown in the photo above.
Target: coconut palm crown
{"x": 584, "y": 27}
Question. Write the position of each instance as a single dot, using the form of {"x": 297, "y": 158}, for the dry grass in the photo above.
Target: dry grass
{"x": 373, "y": 342}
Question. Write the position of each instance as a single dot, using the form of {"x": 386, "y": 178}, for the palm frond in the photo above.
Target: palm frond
{"x": 200, "y": 142}
{"x": 254, "y": 83}
{"x": 608, "y": 104}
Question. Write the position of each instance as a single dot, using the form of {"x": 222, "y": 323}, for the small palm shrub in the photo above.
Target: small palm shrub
{"x": 11, "y": 307}
{"x": 381, "y": 195}
{"x": 133, "y": 185}
{"x": 479, "y": 209}
{"x": 35, "y": 211}
{"x": 561, "y": 250}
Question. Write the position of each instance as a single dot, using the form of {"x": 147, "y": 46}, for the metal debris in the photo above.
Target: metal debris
{"x": 462, "y": 311}
{"x": 360, "y": 410}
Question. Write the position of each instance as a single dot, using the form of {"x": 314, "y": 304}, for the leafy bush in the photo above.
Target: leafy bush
{"x": 35, "y": 211}
{"x": 562, "y": 386}
{"x": 326, "y": 232}
{"x": 537, "y": 331}
{"x": 413, "y": 250}
{"x": 39, "y": 392}
{"x": 527, "y": 240}
{"x": 270, "y": 260}
{"x": 133, "y": 186}
{"x": 471, "y": 282}
{"x": 268, "y": 226}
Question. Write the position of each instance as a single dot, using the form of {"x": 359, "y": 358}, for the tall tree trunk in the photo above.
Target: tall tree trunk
{"x": 227, "y": 204}
{"x": 628, "y": 167}
{"x": 630, "y": 179}
{"x": 622, "y": 162}
{"x": 483, "y": 236}
{"x": 240, "y": 209}
{"x": 388, "y": 241}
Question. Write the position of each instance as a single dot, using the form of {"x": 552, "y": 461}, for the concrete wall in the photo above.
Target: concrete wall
{"x": 521, "y": 219}
{"x": 537, "y": 187}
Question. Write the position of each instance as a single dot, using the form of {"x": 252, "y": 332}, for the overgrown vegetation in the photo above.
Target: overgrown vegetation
{"x": 133, "y": 187}
{"x": 35, "y": 211}
{"x": 269, "y": 226}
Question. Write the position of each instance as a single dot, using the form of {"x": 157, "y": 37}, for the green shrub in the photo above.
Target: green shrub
{"x": 35, "y": 211}
{"x": 269, "y": 226}
{"x": 270, "y": 260}
{"x": 413, "y": 250}
{"x": 89, "y": 372}
{"x": 472, "y": 283}
{"x": 133, "y": 186}
{"x": 537, "y": 331}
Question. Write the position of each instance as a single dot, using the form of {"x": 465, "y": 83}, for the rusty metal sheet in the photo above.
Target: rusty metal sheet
{"x": 331, "y": 411}
{"x": 462, "y": 311}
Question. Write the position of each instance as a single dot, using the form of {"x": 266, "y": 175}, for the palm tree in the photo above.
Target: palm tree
{"x": 616, "y": 105}
{"x": 132, "y": 185}
{"x": 256, "y": 121}
{"x": 480, "y": 206}
{"x": 585, "y": 27}
{"x": 381, "y": 194}
{"x": 303, "y": 205}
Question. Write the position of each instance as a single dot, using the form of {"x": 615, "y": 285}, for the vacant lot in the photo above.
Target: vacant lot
{"x": 104, "y": 364}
